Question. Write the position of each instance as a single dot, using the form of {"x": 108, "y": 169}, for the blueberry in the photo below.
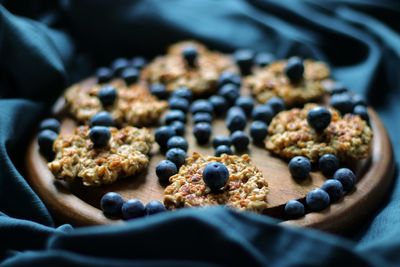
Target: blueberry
{"x": 240, "y": 140}
{"x": 319, "y": 118}
{"x": 229, "y": 77}
{"x": 334, "y": 189}
{"x": 263, "y": 113}
{"x": 220, "y": 140}
{"x": 338, "y": 88}
{"x": 177, "y": 156}
{"x": 223, "y": 149}
{"x": 219, "y": 103}
{"x": 104, "y": 75}
{"x": 294, "y": 209}
{"x": 202, "y": 117}
{"x": 164, "y": 170}
{"x": 215, "y": 175}
{"x": 201, "y": 105}
{"x": 264, "y": 59}
{"x": 178, "y": 103}
{"x": 100, "y": 135}
{"x": 50, "y": 124}
{"x": 103, "y": 118}
{"x": 154, "y": 207}
{"x": 246, "y": 103}
{"x": 111, "y": 203}
{"x": 174, "y": 115}
{"x": 235, "y": 119}
{"x": 346, "y": 177}
{"x": 299, "y": 167}
{"x": 358, "y": 100}
{"x": 138, "y": 62}
{"x": 361, "y": 111}
{"x": 46, "y": 139}
{"x": 277, "y": 104}
{"x": 183, "y": 92}
{"x": 202, "y": 132}
{"x": 133, "y": 208}
{"x": 162, "y": 134}
{"x": 130, "y": 75}
{"x": 118, "y": 65}
{"x": 258, "y": 131}
{"x": 317, "y": 199}
{"x": 159, "y": 91}
{"x": 342, "y": 102}
{"x": 244, "y": 59}
{"x": 328, "y": 164}
{"x": 294, "y": 69}
{"x": 107, "y": 95}
{"x": 190, "y": 54}
{"x": 230, "y": 92}
{"x": 178, "y": 127}
{"x": 177, "y": 142}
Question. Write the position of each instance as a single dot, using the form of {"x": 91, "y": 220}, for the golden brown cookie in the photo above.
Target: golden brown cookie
{"x": 271, "y": 81}
{"x": 289, "y": 135}
{"x": 246, "y": 188}
{"x": 125, "y": 155}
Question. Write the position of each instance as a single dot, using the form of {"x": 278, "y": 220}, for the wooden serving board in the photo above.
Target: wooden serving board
{"x": 79, "y": 205}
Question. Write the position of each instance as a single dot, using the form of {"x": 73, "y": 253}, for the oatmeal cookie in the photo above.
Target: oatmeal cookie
{"x": 272, "y": 81}
{"x": 246, "y": 188}
{"x": 125, "y": 155}
{"x": 289, "y": 135}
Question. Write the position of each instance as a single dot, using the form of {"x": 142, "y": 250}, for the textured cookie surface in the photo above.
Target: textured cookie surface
{"x": 289, "y": 135}
{"x": 125, "y": 155}
{"x": 246, "y": 188}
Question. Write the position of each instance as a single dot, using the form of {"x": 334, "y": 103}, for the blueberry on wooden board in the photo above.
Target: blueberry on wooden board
{"x": 111, "y": 203}
{"x": 162, "y": 134}
{"x": 177, "y": 142}
{"x": 240, "y": 140}
{"x": 50, "y": 124}
{"x": 223, "y": 149}
{"x": 299, "y": 167}
{"x": 334, "y": 188}
{"x": 132, "y": 209}
{"x": 202, "y": 132}
{"x": 294, "y": 209}
{"x": 346, "y": 177}
{"x": 328, "y": 164}
{"x": 164, "y": 170}
{"x": 177, "y": 156}
{"x": 154, "y": 207}
{"x": 317, "y": 199}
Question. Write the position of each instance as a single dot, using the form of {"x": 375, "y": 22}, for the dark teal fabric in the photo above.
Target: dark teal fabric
{"x": 47, "y": 45}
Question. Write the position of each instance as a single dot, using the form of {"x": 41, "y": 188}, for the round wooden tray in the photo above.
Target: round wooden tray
{"x": 79, "y": 205}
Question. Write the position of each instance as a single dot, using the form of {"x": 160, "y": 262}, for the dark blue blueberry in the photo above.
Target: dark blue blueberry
{"x": 215, "y": 175}
{"x": 235, "y": 119}
{"x": 244, "y": 59}
{"x": 319, "y": 118}
{"x": 183, "y": 92}
{"x": 190, "y": 54}
{"x": 334, "y": 188}
{"x": 202, "y": 117}
{"x": 154, "y": 207}
{"x": 159, "y": 91}
{"x": 118, "y": 65}
{"x": 246, "y": 103}
{"x": 138, "y": 62}
{"x": 132, "y": 209}
{"x": 100, "y": 135}
{"x": 104, "y": 75}
{"x": 107, "y": 95}
{"x": 264, "y": 59}
{"x": 220, "y": 140}
{"x": 111, "y": 203}
{"x": 229, "y": 77}
{"x": 359, "y": 100}
{"x": 219, "y": 103}
{"x": 342, "y": 102}
{"x": 178, "y": 103}
{"x": 294, "y": 209}
{"x": 202, "y": 132}
{"x": 299, "y": 167}
{"x": 46, "y": 139}
{"x": 258, "y": 131}
{"x": 361, "y": 111}
{"x": 177, "y": 142}
{"x": 230, "y": 92}
{"x": 130, "y": 75}
{"x": 346, "y": 177}
{"x": 338, "y": 88}
{"x": 174, "y": 115}
{"x": 103, "y": 118}
{"x": 164, "y": 170}
{"x": 201, "y": 105}
{"x": 177, "y": 156}
{"x": 50, "y": 124}
{"x": 178, "y": 127}
{"x": 223, "y": 149}
{"x": 328, "y": 164}
{"x": 263, "y": 113}
{"x": 163, "y": 134}
{"x": 294, "y": 69}
{"x": 240, "y": 140}
{"x": 277, "y": 104}
{"x": 317, "y": 199}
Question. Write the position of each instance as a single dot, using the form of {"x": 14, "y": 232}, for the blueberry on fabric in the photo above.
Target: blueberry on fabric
{"x": 219, "y": 103}
{"x": 230, "y": 92}
{"x": 294, "y": 209}
{"x": 118, "y": 65}
{"x": 183, "y": 92}
{"x": 100, "y": 135}
{"x": 163, "y": 134}
{"x": 46, "y": 139}
{"x": 164, "y": 170}
{"x": 328, "y": 164}
{"x": 235, "y": 119}
{"x": 319, "y": 118}
{"x": 111, "y": 203}
{"x": 50, "y": 124}
{"x": 244, "y": 59}
{"x": 346, "y": 177}
{"x": 190, "y": 54}
{"x": 179, "y": 103}
{"x": 107, "y": 95}
{"x": 202, "y": 132}
{"x": 317, "y": 199}
{"x": 177, "y": 142}
{"x": 138, "y": 62}
{"x": 103, "y": 118}
{"x": 299, "y": 167}
{"x": 154, "y": 207}
{"x": 342, "y": 102}
{"x": 132, "y": 209}
{"x": 246, "y": 103}
{"x": 229, "y": 77}
{"x": 104, "y": 75}
{"x": 159, "y": 91}
{"x": 174, "y": 115}
{"x": 220, "y": 140}
{"x": 294, "y": 69}
{"x": 263, "y": 113}
{"x": 334, "y": 188}
{"x": 178, "y": 127}
{"x": 202, "y": 117}
{"x": 223, "y": 149}
{"x": 215, "y": 175}
{"x": 240, "y": 140}
{"x": 177, "y": 156}
{"x": 277, "y": 104}
{"x": 258, "y": 131}
{"x": 264, "y": 59}
{"x": 130, "y": 75}
{"x": 361, "y": 111}
{"x": 201, "y": 105}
